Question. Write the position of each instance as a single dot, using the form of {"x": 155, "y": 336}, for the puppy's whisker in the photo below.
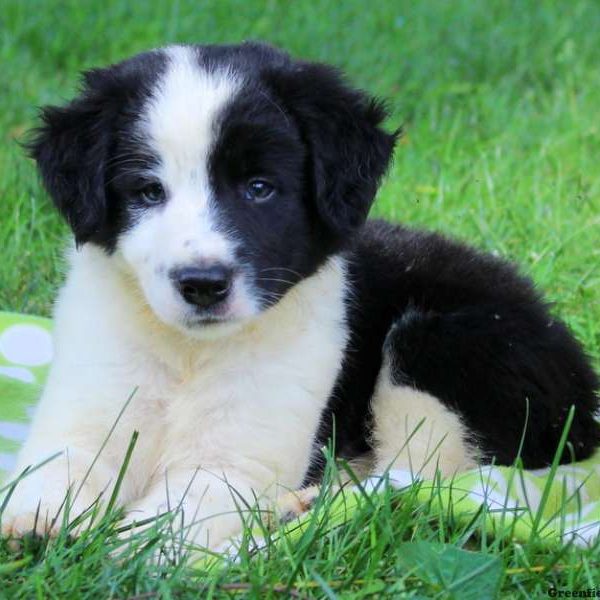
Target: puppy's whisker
{"x": 299, "y": 275}
{"x": 272, "y": 297}
{"x": 286, "y": 281}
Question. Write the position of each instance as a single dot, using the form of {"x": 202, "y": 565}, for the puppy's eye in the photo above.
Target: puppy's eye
{"x": 259, "y": 190}
{"x": 152, "y": 193}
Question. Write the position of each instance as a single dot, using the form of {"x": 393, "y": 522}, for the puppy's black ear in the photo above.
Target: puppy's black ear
{"x": 71, "y": 148}
{"x": 349, "y": 151}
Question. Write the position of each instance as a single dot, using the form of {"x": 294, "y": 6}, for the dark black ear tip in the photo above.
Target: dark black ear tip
{"x": 381, "y": 110}
{"x": 32, "y": 142}
{"x": 398, "y": 134}
{"x": 36, "y": 139}
{"x": 28, "y": 144}
{"x": 378, "y": 109}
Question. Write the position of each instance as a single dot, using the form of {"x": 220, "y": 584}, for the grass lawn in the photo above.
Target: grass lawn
{"x": 501, "y": 103}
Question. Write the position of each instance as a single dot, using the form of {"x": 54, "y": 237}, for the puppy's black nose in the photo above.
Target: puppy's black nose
{"x": 203, "y": 287}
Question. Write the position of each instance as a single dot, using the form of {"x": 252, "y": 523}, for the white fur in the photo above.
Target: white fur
{"x": 413, "y": 430}
{"x": 240, "y": 410}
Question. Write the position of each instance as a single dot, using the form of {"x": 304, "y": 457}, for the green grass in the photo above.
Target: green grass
{"x": 500, "y": 102}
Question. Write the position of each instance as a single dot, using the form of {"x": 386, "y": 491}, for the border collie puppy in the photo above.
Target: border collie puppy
{"x": 226, "y": 281}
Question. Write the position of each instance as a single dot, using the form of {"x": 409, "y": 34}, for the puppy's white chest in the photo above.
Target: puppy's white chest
{"x": 249, "y": 402}
{"x": 257, "y": 406}
{"x": 253, "y": 402}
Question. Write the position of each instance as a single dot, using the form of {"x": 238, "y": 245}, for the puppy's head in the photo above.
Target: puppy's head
{"x": 219, "y": 176}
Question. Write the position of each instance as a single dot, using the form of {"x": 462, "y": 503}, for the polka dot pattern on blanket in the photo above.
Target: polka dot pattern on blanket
{"x": 26, "y": 344}
{"x": 25, "y": 354}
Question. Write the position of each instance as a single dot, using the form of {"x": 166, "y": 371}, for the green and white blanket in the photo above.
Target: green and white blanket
{"x": 560, "y": 506}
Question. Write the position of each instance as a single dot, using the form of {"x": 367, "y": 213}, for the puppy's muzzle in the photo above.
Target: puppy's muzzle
{"x": 203, "y": 287}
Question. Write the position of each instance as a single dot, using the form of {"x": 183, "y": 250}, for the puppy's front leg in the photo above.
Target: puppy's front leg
{"x": 209, "y": 506}
{"x": 41, "y": 498}
{"x": 70, "y": 427}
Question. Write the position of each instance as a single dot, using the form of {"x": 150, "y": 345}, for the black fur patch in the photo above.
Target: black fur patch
{"x": 466, "y": 328}
{"x": 319, "y": 141}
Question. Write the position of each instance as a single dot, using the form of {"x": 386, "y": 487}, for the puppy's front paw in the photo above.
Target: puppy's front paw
{"x": 25, "y": 514}
{"x": 292, "y": 505}
{"x": 45, "y": 521}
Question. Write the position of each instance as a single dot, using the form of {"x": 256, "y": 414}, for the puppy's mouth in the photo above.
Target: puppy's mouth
{"x": 207, "y": 321}
{"x": 224, "y": 313}
{"x": 210, "y": 326}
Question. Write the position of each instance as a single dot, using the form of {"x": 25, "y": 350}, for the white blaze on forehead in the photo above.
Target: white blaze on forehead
{"x": 180, "y": 119}
{"x": 180, "y": 126}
